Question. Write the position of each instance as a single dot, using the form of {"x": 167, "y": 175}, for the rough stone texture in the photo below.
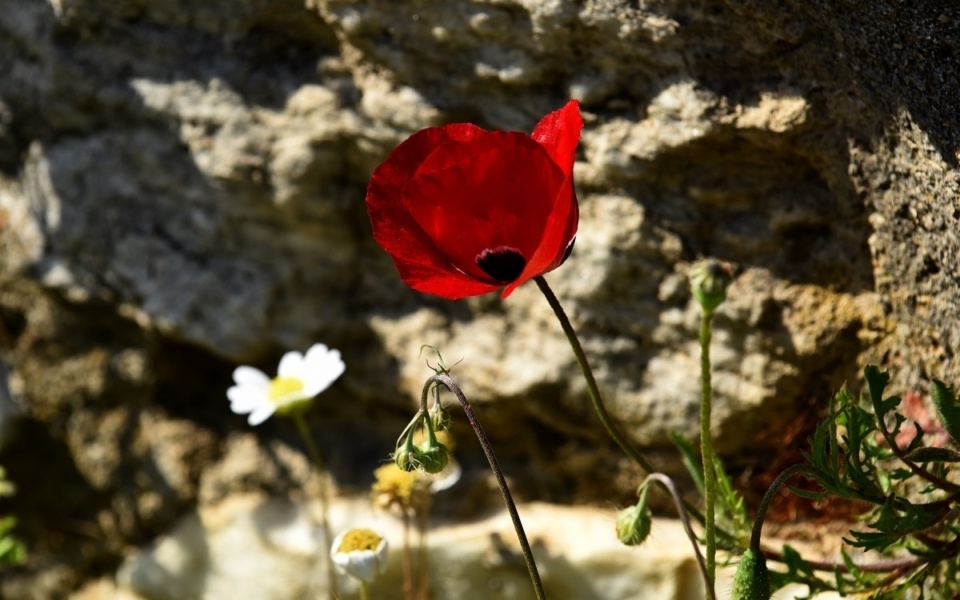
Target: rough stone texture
{"x": 181, "y": 189}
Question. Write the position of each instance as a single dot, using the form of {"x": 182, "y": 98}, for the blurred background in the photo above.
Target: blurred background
{"x": 181, "y": 192}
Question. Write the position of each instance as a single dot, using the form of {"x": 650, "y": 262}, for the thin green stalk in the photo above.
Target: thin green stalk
{"x": 321, "y": 474}
{"x": 407, "y": 558}
{"x": 671, "y": 488}
{"x": 447, "y": 382}
{"x": 708, "y": 519}
{"x": 767, "y": 499}
{"x": 592, "y": 388}
{"x": 364, "y": 592}
{"x": 594, "y": 391}
{"x": 706, "y": 451}
{"x": 423, "y": 566}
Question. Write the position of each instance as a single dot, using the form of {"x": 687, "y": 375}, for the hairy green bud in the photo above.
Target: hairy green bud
{"x": 752, "y": 580}
{"x": 439, "y": 418}
{"x": 433, "y": 456}
{"x": 407, "y": 457}
{"x": 708, "y": 282}
{"x": 633, "y": 524}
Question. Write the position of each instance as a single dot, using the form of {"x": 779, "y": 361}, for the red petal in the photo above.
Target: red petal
{"x": 559, "y": 133}
{"x": 559, "y": 232}
{"x": 448, "y": 193}
{"x": 497, "y": 189}
{"x": 416, "y": 257}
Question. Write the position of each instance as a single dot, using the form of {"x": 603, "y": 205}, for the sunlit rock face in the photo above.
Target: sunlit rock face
{"x": 181, "y": 190}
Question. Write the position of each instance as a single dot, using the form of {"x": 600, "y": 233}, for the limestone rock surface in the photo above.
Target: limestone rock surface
{"x": 181, "y": 191}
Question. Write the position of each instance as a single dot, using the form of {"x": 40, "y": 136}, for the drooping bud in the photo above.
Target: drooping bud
{"x": 433, "y": 456}
{"x": 633, "y": 525}
{"x": 405, "y": 459}
{"x": 439, "y": 418}
{"x": 708, "y": 282}
{"x": 407, "y": 456}
{"x": 752, "y": 580}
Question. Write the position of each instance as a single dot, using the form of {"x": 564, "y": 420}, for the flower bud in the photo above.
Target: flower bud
{"x": 439, "y": 418}
{"x": 407, "y": 457}
{"x": 433, "y": 456}
{"x": 708, "y": 282}
{"x": 752, "y": 580}
{"x": 633, "y": 524}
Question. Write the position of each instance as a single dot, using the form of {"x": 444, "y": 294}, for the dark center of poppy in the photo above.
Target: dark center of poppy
{"x": 503, "y": 264}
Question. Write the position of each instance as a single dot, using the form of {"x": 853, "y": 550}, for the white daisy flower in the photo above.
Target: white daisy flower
{"x": 299, "y": 378}
{"x": 360, "y": 553}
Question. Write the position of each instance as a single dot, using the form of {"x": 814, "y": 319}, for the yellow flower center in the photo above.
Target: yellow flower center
{"x": 394, "y": 482}
{"x": 281, "y": 387}
{"x": 358, "y": 540}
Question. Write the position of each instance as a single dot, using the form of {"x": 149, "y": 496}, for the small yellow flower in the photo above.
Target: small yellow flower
{"x": 394, "y": 487}
{"x": 299, "y": 378}
{"x": 360, "y": 553}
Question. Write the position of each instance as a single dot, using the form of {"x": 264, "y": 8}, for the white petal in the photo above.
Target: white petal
{"x": 261, "y": 414}
{"x": 245, "y": 399}
{"x": 382, "y": 556}
{"x": 365, "y": 566}
{"x": 316, "y": 351}
{"x": 302, "y": 370}
{"x": 321, "y": 368}
{"x": 249, "y": 376}
{"x": 290, "y": 365}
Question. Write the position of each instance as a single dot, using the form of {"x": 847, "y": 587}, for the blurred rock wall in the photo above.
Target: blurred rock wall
{"x": 181, "y": 190}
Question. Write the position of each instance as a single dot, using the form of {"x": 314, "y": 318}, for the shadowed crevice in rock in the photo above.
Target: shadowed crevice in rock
{"x": 57, "y": 516}
{"x": 755, "y": 199}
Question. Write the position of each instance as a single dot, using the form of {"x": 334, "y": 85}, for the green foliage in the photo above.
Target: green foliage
{"x": 732, "y": 519}
{"x": 862, "y": 452}
{"x": 946, "y": 402}
{"x": 12, "y": 551}
{"x": 731, "y": 511}
{"x": 690, "y": 459}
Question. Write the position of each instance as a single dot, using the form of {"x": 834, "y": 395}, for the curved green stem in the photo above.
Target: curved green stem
{"x": 671, "y": 489}
{"x": 592, "y": 388}
{"x": 594, "y": 392}
{"x": 706, "y": 451}
{"x": 364, "y": 592}
{"x": 321, "y": 474}
{"x": 767, "y": 499}
{"x": 447, "y": 382}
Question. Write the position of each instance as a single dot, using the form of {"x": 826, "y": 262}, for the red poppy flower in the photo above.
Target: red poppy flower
{"x": 464, "y": 211}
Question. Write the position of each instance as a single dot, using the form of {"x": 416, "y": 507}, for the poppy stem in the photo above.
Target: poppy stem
{"x": 706, "y": 451}
{"x": 445, "y": 380}
{"x": 317, "y": 461}
{"x": 768, "y": 498}
{"x": 592, "y": 388}
{"x": 671, "y": 488}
